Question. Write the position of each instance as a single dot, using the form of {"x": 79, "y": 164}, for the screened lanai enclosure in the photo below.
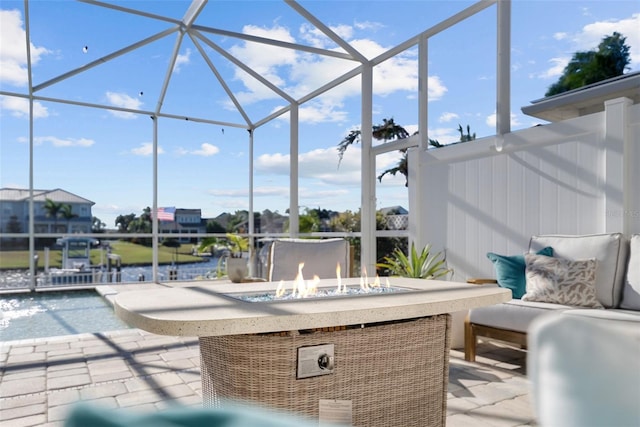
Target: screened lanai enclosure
{"x": 117, "y": 109}
{"x": 159, "y": 84}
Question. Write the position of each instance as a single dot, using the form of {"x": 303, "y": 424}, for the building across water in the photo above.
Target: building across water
{"x": 14, "y": 211}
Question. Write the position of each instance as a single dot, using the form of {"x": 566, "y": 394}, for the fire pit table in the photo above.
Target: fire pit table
{"x": 379, "y": 359}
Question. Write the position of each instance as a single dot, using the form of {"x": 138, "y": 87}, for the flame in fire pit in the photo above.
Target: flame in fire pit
{"x": 306, "y": 289}
{"x": 301, "y": 288}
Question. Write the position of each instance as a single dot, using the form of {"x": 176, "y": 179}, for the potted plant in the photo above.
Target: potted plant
{"x": 237, "y": 245}
{"x": 235, "y": 263}
{"x": 423, "y": 265}
{"x": 232, "y": 263}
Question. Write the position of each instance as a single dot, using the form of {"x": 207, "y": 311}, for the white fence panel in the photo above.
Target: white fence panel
{"x": 548, "y": 179}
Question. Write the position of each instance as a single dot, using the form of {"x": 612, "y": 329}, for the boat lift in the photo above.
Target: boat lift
{"x": 76, "y": 263}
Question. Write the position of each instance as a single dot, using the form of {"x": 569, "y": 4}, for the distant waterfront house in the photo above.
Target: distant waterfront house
{"x": 397, "y": 217}
{"x": 14, "y": 211}
{"x": 185, "y": 221}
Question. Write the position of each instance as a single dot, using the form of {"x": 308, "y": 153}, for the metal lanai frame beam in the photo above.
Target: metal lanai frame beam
{"x": 132, "y": 11}
{"x": 105, "y": 58}
{"x": 245, "y": 67}
{"x": 272, "y": 42}
{"x": 327, "y": 31}
{"x": 221, "y": 80}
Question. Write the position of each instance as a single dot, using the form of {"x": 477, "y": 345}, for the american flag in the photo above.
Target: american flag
{"x": 166, "y": 214}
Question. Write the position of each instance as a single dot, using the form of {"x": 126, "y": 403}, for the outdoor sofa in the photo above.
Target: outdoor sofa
{"x": 584, "y": 369}
{"x": 595, "y": 276}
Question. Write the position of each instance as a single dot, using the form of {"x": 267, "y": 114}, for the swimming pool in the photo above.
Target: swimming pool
{"x": 49, "y": 314}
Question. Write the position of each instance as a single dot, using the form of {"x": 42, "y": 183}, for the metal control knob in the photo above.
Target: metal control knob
{"x": 325, "y": 361}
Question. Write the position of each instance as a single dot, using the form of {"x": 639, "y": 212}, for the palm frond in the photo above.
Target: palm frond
{"x": 352, "y": 138}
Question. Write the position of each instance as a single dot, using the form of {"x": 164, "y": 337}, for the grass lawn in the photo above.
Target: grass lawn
{"x": 130, "y": 253}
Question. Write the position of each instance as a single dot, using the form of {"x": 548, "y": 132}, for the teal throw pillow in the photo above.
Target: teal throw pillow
{"x": 510, "y": 271}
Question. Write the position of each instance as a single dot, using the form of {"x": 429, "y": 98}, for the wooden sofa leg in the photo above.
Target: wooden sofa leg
{"x": 470, "y": 341}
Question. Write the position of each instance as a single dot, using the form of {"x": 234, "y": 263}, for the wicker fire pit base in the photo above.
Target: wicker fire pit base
{"x": 393, "y": 374}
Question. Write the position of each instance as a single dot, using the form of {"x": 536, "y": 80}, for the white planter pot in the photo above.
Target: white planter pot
{"x": 237, "y": 269}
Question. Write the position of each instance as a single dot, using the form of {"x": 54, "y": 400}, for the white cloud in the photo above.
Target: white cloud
{"x": 368, "y": 25}
{"x": 61, "y": 142}
{"x": 345, "y": 32}
{"x": 299, "y": 73}
{"x": 306, "y": 193}
{"x": 492, "y": 118}
{"x": 447, "y": 117}
{"x": 445, "y": 135}
{"x": 182, "y": 59}
{"x": 13, "y": 50}
{"x": 411, "y": 129}
{"x": 206, "y": 150}
{"x": 19, "y": 107}
{"x": 263, "y": 59}
{"x": 317, "y": 38}
{"x": 276, "y": 163}
{"x": 321, "y": 112}
{"x": 146, "y": 149}
{"x": 556, "y": 69}
{"x": 259, "y": 191}
{"x": 399, "y": 73}
{"x": 592, "y": 34}
{"x": 322, "y": 165}
{"x": 229, "y": 193}
{"x": 314, "y": 36}
{"x": 318, "y": 110}
{"x": 267, "y": 191}
{"x": 123, "y": 100}
{"x": 315, "y": 194}
{"x": 322, "y": 179}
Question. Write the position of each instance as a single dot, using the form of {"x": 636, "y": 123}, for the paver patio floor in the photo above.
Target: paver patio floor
{"x": 41, "y": 379}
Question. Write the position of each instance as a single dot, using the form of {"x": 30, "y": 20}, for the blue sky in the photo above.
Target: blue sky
{"x": 105, "y": 156}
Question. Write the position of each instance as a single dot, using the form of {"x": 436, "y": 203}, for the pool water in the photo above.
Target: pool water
{"x": 49, "y": 314}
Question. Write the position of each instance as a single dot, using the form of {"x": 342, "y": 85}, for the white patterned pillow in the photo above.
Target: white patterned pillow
{"x": 561, "y": 281}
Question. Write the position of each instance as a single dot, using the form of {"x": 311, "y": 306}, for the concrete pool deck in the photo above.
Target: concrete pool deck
{"x": 41, "y": 379}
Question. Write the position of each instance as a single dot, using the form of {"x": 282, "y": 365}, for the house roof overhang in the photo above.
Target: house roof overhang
{"x": 585, "y": 100}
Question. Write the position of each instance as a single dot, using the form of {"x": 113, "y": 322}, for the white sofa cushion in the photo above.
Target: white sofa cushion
{"x": 609, "y": 314}
{"x": 515, "y": 315}
{"x": 631, "y": 291}
{"x": 320, "y": 257}
{"x": 584, "y": 371}
{"x": 610, "y": 250}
